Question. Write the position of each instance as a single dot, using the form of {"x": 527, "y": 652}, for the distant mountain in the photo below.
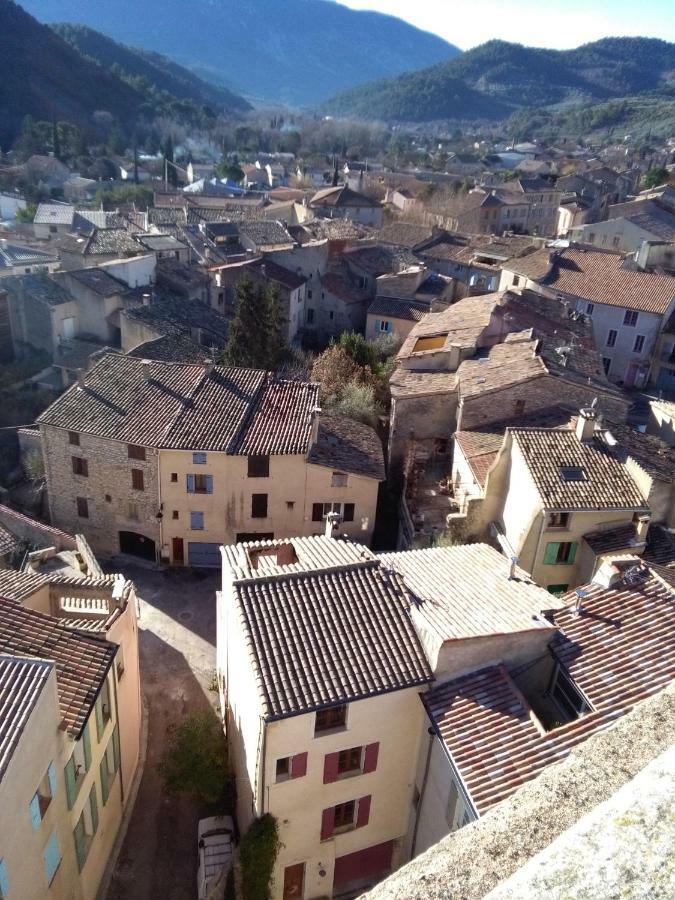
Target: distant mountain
{"x": 498, "y": 78}
{"x": 43, "y": 76}
{"x": 291, "y": 51}
{"x": 155, "y": 68}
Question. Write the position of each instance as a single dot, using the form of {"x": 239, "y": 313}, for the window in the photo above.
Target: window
{"x": 516, "y": 280}
{"x": 74, "y": 438}
{"x": 611, "y": 337}
{"x": 560, "y": 553}
{"x": 290, "y": 504}
{"x": 591, "y": 237}
{"x": 384, "y": 326}
{"x": 338, "y": 479}
{"x": 573, "y": 473}
{"x": 331, "y": 314}
{"x": 80, "y": 466}
{"x": 310, "y": 313}
{"x": 452, "y": 806}
{"x": 630, "y": 318}
{"x": 344, "y": 815}
{"x": 52, "y": 857}
{"x": 567, "y": 696}
{"x": 174, "y": 514}
{"x": 102, "y": 709}
{"x": 199, "y": 459}
{"x": 197, "y": 521}
{"x": 259, "y": 506}
{"x": 330, "y": 719}
{"x": 519, "y": 407}
{"x": 258, "y": 467}
{"x": 85, "y": 829}
{"x": 606, "y": 364}
{"x": 558, "y": 520}
{"x": 349, "y": 760}
{"x": 557, "y": 589}
{"x": 199, "y": 484}
{"x": 174, "y": 477}
{"x": 321, "y": 510}
{"x": 132, "y": 511}
{"x": 639, "y": 343}
{"x": 119, "y": 662}
{"x": 110, "y": 764}
{"x": 589, "y": 309}
{"x": 77, "y": 767}
{"x": 108, "y": 498}
{"x": 137, "y": 480}
{"x": 43, "y": 796}
{"x": 291, "y": 767}
{"x": 53, "y": 229}
{"x": 82, "y": 507}
{"x": 135, "y": 452}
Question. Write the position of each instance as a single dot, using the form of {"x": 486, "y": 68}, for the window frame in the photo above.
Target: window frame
{"x": 259, "y": 506}
{"x": 196, "y": 516}
{"x": 74, "y": 438}
{"x": 199, "y": 458}
{"x": 352, "y": 758}
{"x": 136, "y": 451}
{"x": 630, "y": 318}
{"x": 137, "y": 480}
{"x": 80, "y": 466}
{"x": 612, "y": 335}
{"x": 330, "y": 719}
{"x": 82, "y": 504}
{"x": 639, "y": 339}
{"x": 258, "y": 466}
{"x": 558, "y": 521}
{"x": 341, "y": 810}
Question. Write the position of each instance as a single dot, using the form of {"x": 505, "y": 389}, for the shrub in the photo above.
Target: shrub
{"x": 258, "y": 853}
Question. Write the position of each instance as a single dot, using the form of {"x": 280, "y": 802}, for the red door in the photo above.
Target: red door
{"x": 363, "y": 868}
{"x": 294, "y": 881}
{"x": 177, "y": 551}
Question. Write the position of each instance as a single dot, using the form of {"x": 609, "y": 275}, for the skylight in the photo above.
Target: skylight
{"x": 573, "y": 473}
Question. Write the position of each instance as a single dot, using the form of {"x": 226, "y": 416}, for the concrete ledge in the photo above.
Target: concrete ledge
{"x": 471, "y": 862}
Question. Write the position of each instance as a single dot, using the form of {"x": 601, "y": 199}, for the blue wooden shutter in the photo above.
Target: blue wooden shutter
{"x": 551, "y": 554}
{"x": 52, "y": 857}
{"x": 190, "y": 484}
{"x": 71, "y": 786}
{"x": 93, "y": 808}
{"x": 86, "y": 746}
{"x": 209, "y": 484}
{"x": 51, "y": 775}
{"x": 35, "y": 814}
{"x": 4, "y": 880}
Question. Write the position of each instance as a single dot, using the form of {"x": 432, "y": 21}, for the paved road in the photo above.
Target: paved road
{"x": 178, "y": 660}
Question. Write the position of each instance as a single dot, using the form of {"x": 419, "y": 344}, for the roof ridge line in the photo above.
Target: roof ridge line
{"x": 324, "y": 570}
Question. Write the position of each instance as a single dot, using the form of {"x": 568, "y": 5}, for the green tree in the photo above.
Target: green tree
{"x": 258, "y": 853}
{"x": 195, "y": 759}
{"x": 359, "y": 349}
{"x": 230, "y": 171}
{"x": 357, "y": 401}
{"x": 275, "y": 344}
{"x": 171, "y": 173}
{"x": 255, "y": 338}
{"x": 25, "y": 216}
{"x": 334, "y": 369}
{"x": 655, "y": 176}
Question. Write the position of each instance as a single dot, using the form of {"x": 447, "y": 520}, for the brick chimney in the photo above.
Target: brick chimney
{"x": 586, "y": 424}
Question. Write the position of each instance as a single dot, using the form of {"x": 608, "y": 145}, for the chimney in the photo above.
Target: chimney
{"x": 586, "y": 424}
{"x": 512, "y": 568}
{"x": 333, "y": 520}
{"x": 641, "y": 527}
{"x": 146, "y": 299}
{"x": 80, "y": 380}
{"x": 146, "y": 366}
{"x": 316, "y": 415}
{"x": 209, "y": 366}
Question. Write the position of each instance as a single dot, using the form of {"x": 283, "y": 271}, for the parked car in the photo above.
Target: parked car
{"x": 215, "y": 849}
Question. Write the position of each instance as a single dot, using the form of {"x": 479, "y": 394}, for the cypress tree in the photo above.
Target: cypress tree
{"x": 247, "y": 338}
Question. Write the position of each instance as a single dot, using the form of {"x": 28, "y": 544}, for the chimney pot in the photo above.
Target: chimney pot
{"x": 333, "y": 520}
{"x": 80, "y": 379}
{"x": 146, "y": 299}
{"x": 146, "y": 369}
{"x": 586, "y": 423}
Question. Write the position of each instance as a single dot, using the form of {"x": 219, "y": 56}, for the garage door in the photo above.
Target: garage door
{"x": 207, "y": 555}
{"x": 362, "y": 869}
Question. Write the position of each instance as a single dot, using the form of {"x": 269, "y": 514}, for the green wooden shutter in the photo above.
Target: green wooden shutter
{"x": 116, "y": 747}
{"x": 86, "y": 746}
{"x": 93, "y": 808}
{"x": 80, "y": 844}
{"x": 104, "y": 780}
{"x": 71, "y": 787}
{"x": 551, "y": 554}
{"x": 99, "y": 718}
{"x": 573, "y": 552}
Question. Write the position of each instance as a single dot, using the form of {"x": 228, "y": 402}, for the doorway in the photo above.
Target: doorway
{"x": 177, "y": 551}
{"x": 294, "y": 881}
{"x": 137, "y": 545}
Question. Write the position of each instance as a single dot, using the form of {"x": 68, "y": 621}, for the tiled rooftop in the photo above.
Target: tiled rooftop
{"x": 82, "y": 663}
{"x": 21, "y": 684}
{"x": 322, "y": 638}
{"x": 348, "y": 446}
{"x": 570, "y": 474}
{"x": 158, "y": 404}
{"x": 407, "y": 310}
{"x": 465, "y": 591}
{"x": 462, "y": 324}
{"x": 619, "y": 650}
{"x": 612, "y": 540}
{"x": 54, "y": 214}
{"x": 16, "y": 585}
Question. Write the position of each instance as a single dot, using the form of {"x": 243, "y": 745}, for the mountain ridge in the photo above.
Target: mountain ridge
{"x": 499, "y": 78}
{"x": 297, "y": 52}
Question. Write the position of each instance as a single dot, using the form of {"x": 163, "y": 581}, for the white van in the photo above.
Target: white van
{"x": 215, "y": 848}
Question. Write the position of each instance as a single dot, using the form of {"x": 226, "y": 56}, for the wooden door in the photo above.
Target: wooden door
{"x": 294, "y": 881}
{"x": 177, "y": 550}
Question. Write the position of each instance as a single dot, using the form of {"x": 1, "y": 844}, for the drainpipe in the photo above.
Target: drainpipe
{"x": 418, "y": 811}
{"x": 160, "y": 514}
{"x": 263, "y": 749}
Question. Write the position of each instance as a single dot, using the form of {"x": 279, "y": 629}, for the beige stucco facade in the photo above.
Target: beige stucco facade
{"x": 292, "y": 489}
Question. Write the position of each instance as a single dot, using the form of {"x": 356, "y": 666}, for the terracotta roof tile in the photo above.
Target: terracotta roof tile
{"x": 348, "y": 446}
{"x": 82, "y": 663}
{"x": 21, "y": 684}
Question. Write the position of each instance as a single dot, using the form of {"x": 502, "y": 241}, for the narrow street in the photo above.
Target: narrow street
{"x": 178, "y": 659}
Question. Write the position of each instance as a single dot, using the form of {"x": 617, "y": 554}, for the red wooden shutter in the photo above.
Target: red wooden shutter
{"x": 330, "y": 767}
{"x": 363, "y": 813}
{"x": 370, "y": 757}
{"x": 298, "y": 765}
{"x": 327, "y": 823}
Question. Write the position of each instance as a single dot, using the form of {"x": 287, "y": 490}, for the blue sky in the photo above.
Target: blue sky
{"x": 539, "y": 23}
